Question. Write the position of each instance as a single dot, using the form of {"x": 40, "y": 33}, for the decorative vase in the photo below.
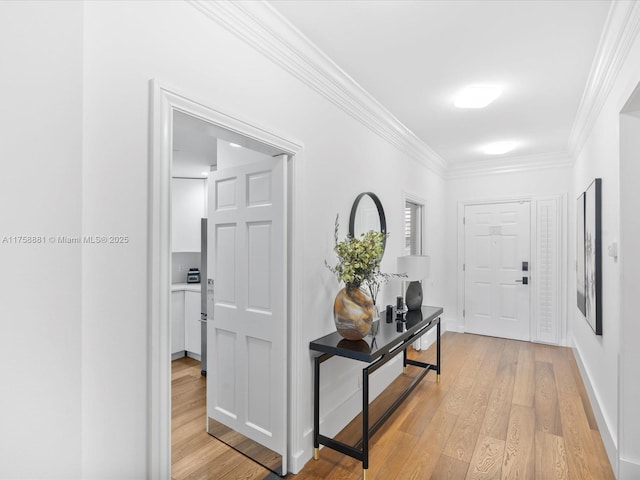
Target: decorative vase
{"x": 414, "y": 296}
{"x": 353, "y": 312}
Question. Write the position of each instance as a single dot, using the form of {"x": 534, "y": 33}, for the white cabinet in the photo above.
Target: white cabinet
{"x": 192, "y": 322}
{"x": 177, "y": 321}
{"x": 188, "y": 199}
{"x": 185, "y": 321}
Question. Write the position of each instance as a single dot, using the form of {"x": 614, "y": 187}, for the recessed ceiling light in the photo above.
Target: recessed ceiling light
{"x": 205, "y": 174}
{"x": 235, "y": 145}
{"x": 498, "y": 148}
{"x": 477, "y": 96}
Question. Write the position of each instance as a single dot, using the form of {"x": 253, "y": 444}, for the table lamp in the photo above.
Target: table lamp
{"x": 416, "y": 267}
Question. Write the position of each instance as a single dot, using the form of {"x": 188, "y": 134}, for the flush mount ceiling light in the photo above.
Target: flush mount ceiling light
{"x": 477, "y": 96}
{"x": 235, "y": 145}
{"x": 498, "y": 148}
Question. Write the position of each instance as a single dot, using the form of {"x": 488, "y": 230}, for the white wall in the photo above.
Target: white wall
{"x": 173, "y": 42}
{"x": 600, "y": 157}
{"x": 630, "y": 266}
{"x": 181, "y": 262}
{"x": 545, "y": 181}
{"x": 40, "y": 285}
{"x": 231, "y": 156}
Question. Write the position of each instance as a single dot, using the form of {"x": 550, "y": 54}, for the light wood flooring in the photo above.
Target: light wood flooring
{"x": 194, "y": 453}
{"x": 503, "y": 410}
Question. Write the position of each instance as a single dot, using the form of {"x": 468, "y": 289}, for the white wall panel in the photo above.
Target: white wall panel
{"x": 227, "y": 264}
{"x": 482, "y": 252}
{"x": 259, "y": 264}
{"x": 508, "y": 218}
{"x": 226, "y": 194}
{"x": 225, "y": 354}
{"x": 483, "y": 299}
{"x": 259, "y": 189}
{"x": 509, "y": 253}
{"x": 260, "y": 382}
{"x": 482, "y": 218}
{"x": 508, "y": 301}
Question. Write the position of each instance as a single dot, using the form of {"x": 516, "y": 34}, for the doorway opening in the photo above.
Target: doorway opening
{"x": 192, "y": 128}
{"x": 497, "y": 255}
{"x": 494, "y": 237}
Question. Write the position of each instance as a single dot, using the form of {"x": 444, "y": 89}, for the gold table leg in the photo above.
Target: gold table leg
{"x": 438, "y": 378}
{"x": 316, "y": 454}
{"x": 364, "y": 474}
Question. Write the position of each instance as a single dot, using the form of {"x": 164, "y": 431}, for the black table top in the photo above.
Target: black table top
{"x": 388, "y": 337}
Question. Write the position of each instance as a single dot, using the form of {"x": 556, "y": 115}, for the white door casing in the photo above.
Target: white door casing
{"x": 496, "y": 242}
{"x": 165, "y": 100}
{"x": 247, "y": 336}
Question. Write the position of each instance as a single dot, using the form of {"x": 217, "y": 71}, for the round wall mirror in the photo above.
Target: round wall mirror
{"x": 367, "y": 214}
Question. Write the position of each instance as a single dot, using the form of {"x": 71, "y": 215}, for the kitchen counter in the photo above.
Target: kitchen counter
{"x": 185, "y": 287}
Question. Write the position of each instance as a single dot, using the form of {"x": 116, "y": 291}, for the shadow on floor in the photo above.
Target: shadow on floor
{"x": 272, "y": 476}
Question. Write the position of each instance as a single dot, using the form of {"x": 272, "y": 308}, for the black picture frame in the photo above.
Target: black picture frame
{"x": 581, "y": 294}
{"x": 593, "y": 255}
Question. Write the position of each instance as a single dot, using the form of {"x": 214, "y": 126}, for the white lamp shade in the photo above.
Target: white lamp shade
{"x": 416, "y": 267}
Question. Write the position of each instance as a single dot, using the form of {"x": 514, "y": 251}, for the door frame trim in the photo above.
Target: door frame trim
{"x": 562, "y": 267}
{"x": 163, "y": 101}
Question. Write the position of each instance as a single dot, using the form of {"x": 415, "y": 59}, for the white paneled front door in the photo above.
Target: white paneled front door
{"x": 247, "y": 336}
{"x": 496, "y": 243}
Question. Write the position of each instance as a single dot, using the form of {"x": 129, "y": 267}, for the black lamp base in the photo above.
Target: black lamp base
{"x": 413, "y": 298}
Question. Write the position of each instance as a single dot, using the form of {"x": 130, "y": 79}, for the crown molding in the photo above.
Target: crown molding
{"x": 620, "y": 30}
{"x": 522, "y": 163}
{"x": 266, "y": 30}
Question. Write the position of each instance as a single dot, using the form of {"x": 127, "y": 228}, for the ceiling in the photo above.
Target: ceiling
{"x": 414, "y": 56}
{"x": 199, "y": 145}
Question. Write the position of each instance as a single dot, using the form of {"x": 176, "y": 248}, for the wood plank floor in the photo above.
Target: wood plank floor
{"x": 195, "y": 455}
{"x": 503, "y": 409}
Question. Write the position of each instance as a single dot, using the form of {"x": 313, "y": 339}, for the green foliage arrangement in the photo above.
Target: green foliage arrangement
{"x": 358, "y": 258}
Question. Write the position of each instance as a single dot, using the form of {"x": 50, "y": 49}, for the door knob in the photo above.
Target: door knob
{"x": 524, "y": 281}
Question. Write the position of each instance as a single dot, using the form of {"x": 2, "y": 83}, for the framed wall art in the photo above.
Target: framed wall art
{"x": 580, "y": 259}
{"x": 593, "y": 255}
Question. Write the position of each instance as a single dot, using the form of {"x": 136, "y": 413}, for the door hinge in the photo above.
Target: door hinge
{"x": 464, "y": 220}
{"x": 464, "y": 267}
{"x": 464, "y": 312}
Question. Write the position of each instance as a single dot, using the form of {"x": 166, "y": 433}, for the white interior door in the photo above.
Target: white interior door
{"x": 247, "y": 336}
{"x": 496, "y": 243}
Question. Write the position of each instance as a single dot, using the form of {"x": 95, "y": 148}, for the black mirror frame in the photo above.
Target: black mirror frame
{"x": 383, "y": 219}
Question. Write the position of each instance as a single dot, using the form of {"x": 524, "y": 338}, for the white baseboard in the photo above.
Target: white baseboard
{"x": 298, "y": 460}
{"x": 342, "y": 414}
{"x": 610, "y": 442}
{"x": 195, "y": 356}
{"x": 177, "y": 355}
{"x": 628, "y": 470}
{"x": 452, "y": 325}
{"x": 184, "y": 353}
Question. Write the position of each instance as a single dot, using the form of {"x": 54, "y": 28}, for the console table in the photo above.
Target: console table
{"x": 390, "y": 339}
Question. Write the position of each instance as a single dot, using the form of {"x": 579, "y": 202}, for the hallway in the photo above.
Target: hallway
{"x": 503, "y": 409}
